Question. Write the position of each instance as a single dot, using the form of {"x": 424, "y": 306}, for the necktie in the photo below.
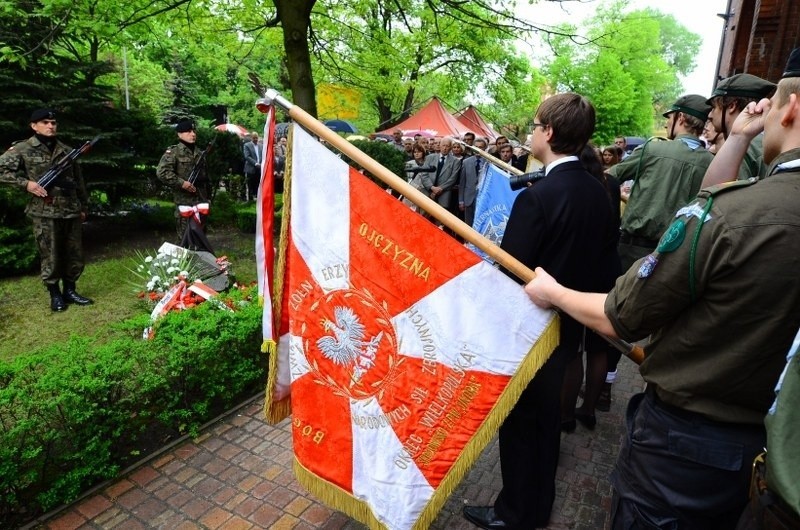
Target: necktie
{"x": 439, "y": 168}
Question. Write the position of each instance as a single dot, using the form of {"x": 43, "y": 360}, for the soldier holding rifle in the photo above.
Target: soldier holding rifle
{"x": 56, "y": 208}
{"x": 182, "y": 168}
{"x": 720, "y": 295}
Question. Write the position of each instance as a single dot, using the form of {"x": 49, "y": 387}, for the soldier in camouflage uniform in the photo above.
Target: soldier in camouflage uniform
{"x": 57, "y": 212}
{"x": 175, "y": 167}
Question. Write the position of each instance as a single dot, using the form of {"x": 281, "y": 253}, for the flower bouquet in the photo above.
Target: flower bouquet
{"x": 172, "y": 279}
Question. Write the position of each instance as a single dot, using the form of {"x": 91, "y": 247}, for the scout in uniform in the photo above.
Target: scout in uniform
{"x": 174, "y": 168}
{"x": 720, "y": 296}
{"x": 728, "y": 100}
{"x": 57, "y": 212}
{"x": 665, "y": 175}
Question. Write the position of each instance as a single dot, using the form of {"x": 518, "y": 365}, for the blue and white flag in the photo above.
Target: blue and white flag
{"x": 492, "y": 207}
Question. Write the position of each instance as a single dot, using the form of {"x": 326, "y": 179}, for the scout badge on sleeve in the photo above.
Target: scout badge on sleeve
{"x": 670, "y": 241}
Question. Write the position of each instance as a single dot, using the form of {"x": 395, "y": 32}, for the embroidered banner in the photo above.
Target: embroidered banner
{"x": 492, "y": 207}
{"x": 401, "y": 351}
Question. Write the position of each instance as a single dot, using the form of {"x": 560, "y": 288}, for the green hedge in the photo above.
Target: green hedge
{"x": 18, "y": 253}
{"x": 75, "y": 414}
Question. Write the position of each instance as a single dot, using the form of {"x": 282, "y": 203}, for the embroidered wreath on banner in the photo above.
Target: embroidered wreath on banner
{"x": 350, "y": 344}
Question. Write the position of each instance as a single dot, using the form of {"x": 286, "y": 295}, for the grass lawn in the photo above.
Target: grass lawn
{"x": 28, "y": 323}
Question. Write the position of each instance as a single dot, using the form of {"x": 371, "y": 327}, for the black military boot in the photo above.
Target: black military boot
{"x": 57, "y": 302}
{"x": 71, "y": 297}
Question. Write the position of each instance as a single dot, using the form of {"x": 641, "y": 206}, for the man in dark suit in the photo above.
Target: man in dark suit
{"x": 252, "y": 165}
{"x": 448, "y": 168}
{"x": 563, "y": 221}
{"x": 469, "y": 179}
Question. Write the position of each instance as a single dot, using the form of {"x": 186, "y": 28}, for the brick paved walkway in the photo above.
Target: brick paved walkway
{"x": 237, "y": 475}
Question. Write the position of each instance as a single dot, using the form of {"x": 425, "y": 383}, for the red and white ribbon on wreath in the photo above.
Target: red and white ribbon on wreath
{"x": 194, "y": 211}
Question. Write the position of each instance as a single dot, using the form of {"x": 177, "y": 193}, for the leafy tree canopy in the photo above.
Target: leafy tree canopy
{"x": 629, "y": 69}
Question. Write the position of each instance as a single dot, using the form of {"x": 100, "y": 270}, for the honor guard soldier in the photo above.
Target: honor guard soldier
{"x": 175, "y": 168}
{"x": 720, "y": 296}
{"x": 57, "y": 211}
{"x": 727, "y": 101}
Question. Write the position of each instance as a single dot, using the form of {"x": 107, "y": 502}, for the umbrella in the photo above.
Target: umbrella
{"x": 341, "y": 126}
{"x": 232, "y": 128}
{"x": 422, "y": 132}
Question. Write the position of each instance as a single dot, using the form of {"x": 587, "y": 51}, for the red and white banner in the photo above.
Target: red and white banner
{"x": 265, "y": 219}
{"x": 401, "y": 351}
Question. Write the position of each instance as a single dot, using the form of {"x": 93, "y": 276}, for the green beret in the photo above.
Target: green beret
{"x": 691, "y": 104}
{"x": 793, "y": 65}
{"x": 743, "y": 86}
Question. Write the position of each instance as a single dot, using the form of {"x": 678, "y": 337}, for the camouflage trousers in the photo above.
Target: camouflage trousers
{"x": 60, "y": 248}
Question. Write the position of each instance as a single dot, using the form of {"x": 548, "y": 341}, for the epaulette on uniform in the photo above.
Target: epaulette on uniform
{"x": 713, "y": 191}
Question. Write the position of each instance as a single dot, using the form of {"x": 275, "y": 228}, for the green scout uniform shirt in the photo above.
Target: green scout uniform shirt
{"x": 783, "y": 435}
{"x": 753, "y": 163}
{"x": 29, "y": 160}
{"x": 175, "y": 166}
{"x": 669, "y": 177}
{"x": 720, "y": 354}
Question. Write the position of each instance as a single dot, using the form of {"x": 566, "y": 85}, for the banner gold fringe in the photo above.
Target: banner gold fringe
{"x": 335, "y": 497}
{"x": 339, "y": 499}
{"x": 535, "y": 359}
{"x": 277, "y": 411}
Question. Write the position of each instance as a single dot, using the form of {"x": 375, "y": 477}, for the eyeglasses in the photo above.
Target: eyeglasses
{"x": 542, "y": 125}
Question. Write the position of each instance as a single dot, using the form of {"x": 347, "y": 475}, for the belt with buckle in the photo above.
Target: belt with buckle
{"x": 628, "y": 239}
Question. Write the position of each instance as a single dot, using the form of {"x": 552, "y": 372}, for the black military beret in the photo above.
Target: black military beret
{"x": 185, "y": 125}
{"x": 793, "y": 64}
{"x": 691, "y": 104}
{"x": 743, "y": 86}
{"x": 43, "y": 114}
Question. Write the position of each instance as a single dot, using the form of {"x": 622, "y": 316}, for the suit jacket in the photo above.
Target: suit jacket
{"x": 563, "y": 224}
{"x": 468, "y": 181}
{"x": 447, "y": 178}
{"x": 251, "y": 151}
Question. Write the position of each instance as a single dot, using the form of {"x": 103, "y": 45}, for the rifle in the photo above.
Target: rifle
{"x": 198, "y": 166}
{"x": 65, "y": 162}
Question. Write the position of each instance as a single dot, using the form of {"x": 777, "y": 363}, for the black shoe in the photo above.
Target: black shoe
{"x": 588, "y": 420}
{"x": 604, "y": 400}
{"x": 483, "y": 517}
{"x": 568, "y": 426}
{"x": 72, "y": 297}
{"x": 57, "y": 302}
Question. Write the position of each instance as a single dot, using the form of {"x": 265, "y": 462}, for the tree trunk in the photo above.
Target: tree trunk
{"x": 295, "y": 17}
